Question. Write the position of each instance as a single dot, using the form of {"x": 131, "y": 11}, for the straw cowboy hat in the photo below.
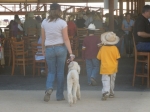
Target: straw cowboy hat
{"x": 109, "y": 38}
{"x": 92, "y": 27}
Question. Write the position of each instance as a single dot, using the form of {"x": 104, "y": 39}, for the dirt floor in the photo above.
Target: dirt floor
{"x": 20, "y": 93}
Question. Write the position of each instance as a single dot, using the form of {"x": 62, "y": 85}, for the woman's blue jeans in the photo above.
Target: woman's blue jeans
{"x": 55, "y": 58}
{"x": 92, "y": 68}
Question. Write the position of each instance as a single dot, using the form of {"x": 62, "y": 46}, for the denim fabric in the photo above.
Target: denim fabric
{"x": 128, "y": 44}
{"x": 92, "y": 68}
{"x": 55, "y": 58}
{"x": 143, "y": 46}
{"x": 120, "y": 45}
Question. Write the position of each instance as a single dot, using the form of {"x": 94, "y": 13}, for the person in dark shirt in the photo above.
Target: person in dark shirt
{"x": 90, "y": 50}
{"x": 80, "y": 22}
{"x": 142, "y": 30}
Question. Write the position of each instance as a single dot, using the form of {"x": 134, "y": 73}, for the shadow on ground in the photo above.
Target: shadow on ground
{"x": 19, "y": 82}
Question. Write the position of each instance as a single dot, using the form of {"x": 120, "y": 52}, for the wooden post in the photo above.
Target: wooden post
{"x": 131, "y": 6}
{"x": 138, "y": 6}
{"x": 127, "y": 5}
{"x": 45, "y": 7}
{"x": 135, "y": 6}
{"x": 121, "y": 7}
{"x": 142, "y": 5}
{"x": 26, "y": 6}
{"x": 20, "y": 7}
{"x": 111, "y": 15}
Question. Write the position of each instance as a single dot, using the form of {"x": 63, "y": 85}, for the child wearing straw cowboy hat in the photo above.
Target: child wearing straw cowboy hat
{"x": 109, "y": 55}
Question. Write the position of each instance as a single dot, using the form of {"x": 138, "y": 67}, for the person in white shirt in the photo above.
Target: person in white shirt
{"x": 55, "y": 43}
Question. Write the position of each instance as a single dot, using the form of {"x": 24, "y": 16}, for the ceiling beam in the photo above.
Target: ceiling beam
{"x": 21, "y": 13}
{"x": 6, "y": 8}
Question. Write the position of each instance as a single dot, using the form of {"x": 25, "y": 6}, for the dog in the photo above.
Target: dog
{"x": 73, "y": 86}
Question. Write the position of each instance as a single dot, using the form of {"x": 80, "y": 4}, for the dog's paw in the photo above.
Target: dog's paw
{"x": 74, "y": 100}
{"x": 79, "y": 98}
{"x": 70, "y": 104}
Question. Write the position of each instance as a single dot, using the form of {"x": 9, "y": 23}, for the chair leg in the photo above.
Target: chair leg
{"x": 24, "y": 67}
{"x": 39, "y": 64}
{"x": 21, "y": 69}
{"x": 9, "y": 60}
{"x": 13, "y": 68}
{"x": 33, "y": 69}
{"x": 135, "y": 64}
{"x": 143, "y": 69}
{"x": 148, "y": 67}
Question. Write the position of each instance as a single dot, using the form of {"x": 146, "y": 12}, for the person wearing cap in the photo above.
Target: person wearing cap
{"x": 31, "y": 23}
{"x": 90, "y": 50}
{"x": 108, "y": 55}
{"x": 55, "y": 43}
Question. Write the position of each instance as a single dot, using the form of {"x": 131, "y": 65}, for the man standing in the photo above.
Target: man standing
{"x": 142, "y": 30}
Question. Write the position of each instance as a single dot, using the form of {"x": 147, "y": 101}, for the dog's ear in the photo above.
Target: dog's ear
{"x": 78, "y": 68}
{"x": 71, "y": 65}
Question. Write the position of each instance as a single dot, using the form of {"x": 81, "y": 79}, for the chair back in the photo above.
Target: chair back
{"x": 13, "y": 39}
{"x": 32, "y": 31}
{"x": 82, "y": 32}
{"x": 7, "y": 33}
{"x": 18, "y": 49}
{"x": 7, "y": 44}
{"x": 99, "y": 32}
{"x": 74, "y": 45}
{"x": 33, "y": 38}
{"x": 36, "y": 49}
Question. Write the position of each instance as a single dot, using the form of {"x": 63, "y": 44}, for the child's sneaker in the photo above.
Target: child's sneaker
{"x": 105, "y": 96}
{"x": 111, "y": 96}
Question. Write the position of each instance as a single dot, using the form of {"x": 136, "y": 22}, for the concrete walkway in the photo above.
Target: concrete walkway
{"x": 32, "y": 101}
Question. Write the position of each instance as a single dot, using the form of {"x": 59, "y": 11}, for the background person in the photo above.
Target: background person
{"x": 55, "y": 43}
{"x": 72, "y": 29}
{"x": 31, "y": 23}
{"x": 127, "y": 27}
{"x": 90, "y": 50}
{"x": 142, "y": 30}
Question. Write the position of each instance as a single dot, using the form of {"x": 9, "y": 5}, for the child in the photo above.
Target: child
{"x": 90, "y": 50}
{"x": 109, "y": 55}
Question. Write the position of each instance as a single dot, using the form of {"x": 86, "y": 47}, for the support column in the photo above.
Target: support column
{"x": 45, "y": 7}
{"x": 135, "y": 6}
{"x": 20, "y": 7}
{"x": 121, "y": 7}
{"x": 131, "y": 6}
{"x": 127, "y": 5}
{"x": 140, "y": 5}
{"x": 111, "y": 15}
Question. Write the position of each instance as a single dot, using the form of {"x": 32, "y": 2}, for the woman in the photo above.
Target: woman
{"x": 54, "y": 43}
{"x": 127, "y": 26}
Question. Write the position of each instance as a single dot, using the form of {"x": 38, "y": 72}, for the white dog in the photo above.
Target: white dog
{"x": 73, "y": 85}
